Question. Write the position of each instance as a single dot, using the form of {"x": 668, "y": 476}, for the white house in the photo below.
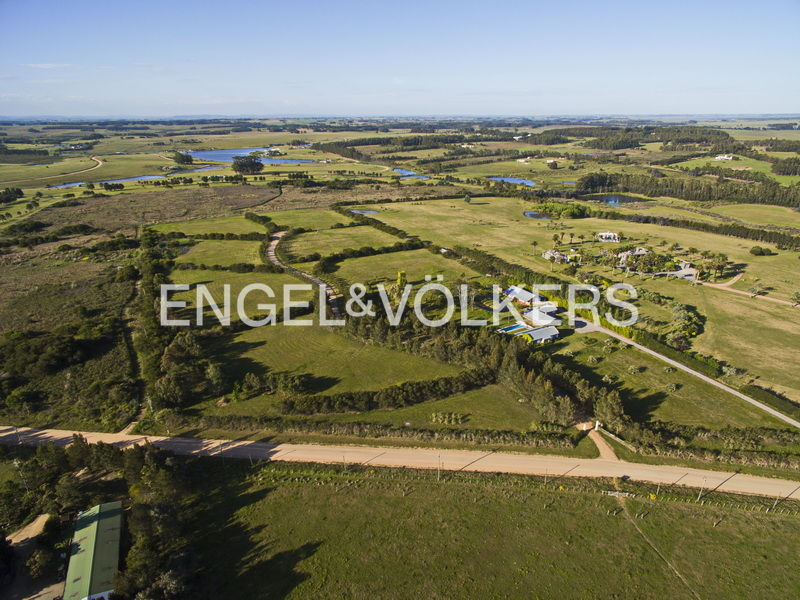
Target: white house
{"x": 521, "y": 295}
{"x": 539, "y": 317}
{"x": 723, "y": 157}
{"x": 608, "y": 236}
{"x": 543, "y": 334}
{"x": 555, "y": 256}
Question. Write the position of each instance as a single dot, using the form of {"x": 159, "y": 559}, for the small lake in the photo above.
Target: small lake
{"x": 405, "y": 172}
{"x": 515, "y": 180}
{"x": 568, "y": 182}
{"x": 227, "y": 156}
{"x": 361, "y": 211}
{"x": 532, "y": 214}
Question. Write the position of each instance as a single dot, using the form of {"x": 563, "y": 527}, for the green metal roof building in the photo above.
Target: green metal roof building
{"x": 94, "y": 553}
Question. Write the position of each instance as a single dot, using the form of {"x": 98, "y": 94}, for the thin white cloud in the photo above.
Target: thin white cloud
{"x": 47, "y": 65}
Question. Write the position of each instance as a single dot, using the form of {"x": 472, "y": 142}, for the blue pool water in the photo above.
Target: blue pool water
{"x": 363, "y": 212}
{"x": 516, "y": 180}
{"x": 227, "y": 156}
{"x": 532, "y": 214}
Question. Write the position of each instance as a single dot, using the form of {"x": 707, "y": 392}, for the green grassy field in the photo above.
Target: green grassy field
{"x": 309, "y": 219}
{"x": 221, "y": 252}
{"x": 761, "y": 214}
{"x": 416, "y": 263}
{"x": 337, "y": 363}
{"x": 744, "y": 163}
{"x": 300, "y": 531}
{"x": 214, "y": 282}
{"x": 237, "y": 224}
{"x": 328, "y": 241}
{"x": 645, "y": 392}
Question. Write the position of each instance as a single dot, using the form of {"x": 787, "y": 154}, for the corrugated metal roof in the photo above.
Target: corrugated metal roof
{"x": 94, "y": 552}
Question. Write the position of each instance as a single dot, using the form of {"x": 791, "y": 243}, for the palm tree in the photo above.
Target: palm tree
{"x": 581, "y": 237}
{"x": 534, "y": 243}
{"x": 555, "y": 240}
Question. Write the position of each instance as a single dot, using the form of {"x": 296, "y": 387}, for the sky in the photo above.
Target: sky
{"x": 378, "y": 58}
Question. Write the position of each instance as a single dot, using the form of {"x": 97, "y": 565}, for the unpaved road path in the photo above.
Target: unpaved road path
{"x": 427, "y": 458}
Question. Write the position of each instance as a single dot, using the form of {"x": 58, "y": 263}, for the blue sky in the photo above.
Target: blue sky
{"x": 232, "y": 57}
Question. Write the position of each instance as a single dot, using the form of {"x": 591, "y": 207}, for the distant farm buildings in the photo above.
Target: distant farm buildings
{"x": 608, "y": 236}
{"x": 723, "y": 157}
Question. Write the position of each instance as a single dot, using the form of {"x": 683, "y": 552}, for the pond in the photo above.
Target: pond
{"x": 615, "y": 199}
{"x": 568, "y": 182}
{"x": 360, "y": 211}
{"x": 227, "y": 156}
{"x": 405, "y": 172}
{"x": 516, "y": 180}
{"x": 532, "y": 214}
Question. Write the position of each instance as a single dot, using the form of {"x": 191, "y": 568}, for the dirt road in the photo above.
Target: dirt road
{"x": 429, "y": 458}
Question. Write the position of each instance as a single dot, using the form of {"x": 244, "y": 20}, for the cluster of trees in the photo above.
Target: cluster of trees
{"x": 10, "y": 195}
{"x": 264, "y": 221}
{"x": 396, "y": 396}
{"x": 730, "y": 229}
{"x": 157, "y": 562}
{"x": 182, "y": 158}
{"x": 247, "y": 165}
{"x": 787, "y": 166}
{"x": 686, "y": 323}
{"x": 547, "y": 437}
{"x": 449, "y": 418}
{"x": 691, "y": 189}
{"x": 234, "y": 268}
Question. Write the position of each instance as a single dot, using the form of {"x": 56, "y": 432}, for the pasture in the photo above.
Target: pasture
{"x": 416, "y": 264}
{"x": 296, "y": 531}
{"x": 236, "y": 225}
{"x": 221, "y": 252}
{"x": 328, "y": 241}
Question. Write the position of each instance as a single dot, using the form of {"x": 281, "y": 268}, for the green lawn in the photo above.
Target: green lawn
{"x": 304, "y": 531}
{"x": 236, "y": 224}
{"x": 221, "y": 252}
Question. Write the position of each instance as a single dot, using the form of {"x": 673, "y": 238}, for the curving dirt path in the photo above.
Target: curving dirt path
{"x": 99, "y": 163}
{"x": 726, "y": 286}
{"x": 427, "y": 458}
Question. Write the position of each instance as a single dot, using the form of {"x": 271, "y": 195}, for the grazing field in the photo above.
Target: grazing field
{"x": 337, "y": 363}
{"x": 297, "y": 531}
{"x": 416, "y": 263}
{"x": 497, "y": 225}
{"x": 306, "y": 218}
{"x": 27, "y": 174}
{"x": 329, "y": 241}
{"x": 743, "y": 163}
{"x": 761, "y": 214}
{"x": 214, "y": 282}
{"x": 235, "y": 225}
{"x": 643, "y": 381}
{"x": 221, "y": 252}
{"x": 490, "y": 407}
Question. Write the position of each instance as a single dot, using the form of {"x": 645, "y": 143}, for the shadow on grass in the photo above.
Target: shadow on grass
{"x": 237, "y": 559}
